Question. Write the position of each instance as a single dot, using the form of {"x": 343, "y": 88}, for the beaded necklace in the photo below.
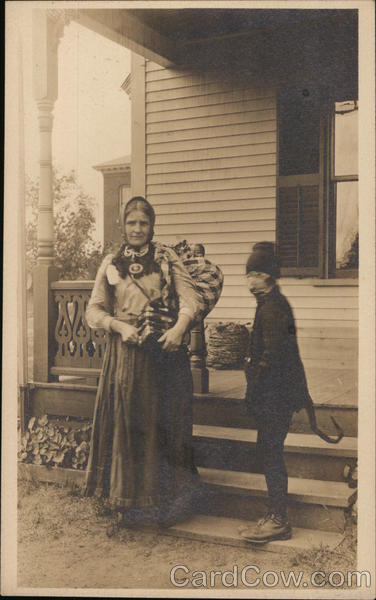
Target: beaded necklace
{"x": 135, "y": 268}
{"x": 133, "y": 253}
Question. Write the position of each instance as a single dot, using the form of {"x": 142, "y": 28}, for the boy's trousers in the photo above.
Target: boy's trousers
{"x": 272, "y": 429}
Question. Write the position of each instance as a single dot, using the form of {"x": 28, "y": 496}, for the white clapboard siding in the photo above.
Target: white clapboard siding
{"x": 202, "y": 132}
{"x": 224, "y": 227}
{"x": 215, "y": 206}
{"x": 217, "y": 91}
{"x": 229, "y": 194}
{"x": 227, "y": 108}
{"x": 208, "y": 185}
{"x": 257, "y": 214}
{"x": 243, "y": 172}
{"x": 239, "y": 118}
{"x": 228, "y": 164}
{"x": 216, "y": 227}
{"x": 225, "y": 141}
{"x": 211, "y": 148}
{"x": 163, "y": 159}
{"x": 228, "y": 97}
{"x": 184, "y": 80}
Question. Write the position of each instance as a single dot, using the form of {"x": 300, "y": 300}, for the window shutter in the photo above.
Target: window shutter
{"x": 309, "y": 227}
{"x": 298, "y": 226}
{"x": 287, "y": 227}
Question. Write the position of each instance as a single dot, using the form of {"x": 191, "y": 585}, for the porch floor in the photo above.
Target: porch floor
{"x": 326, "y": 386}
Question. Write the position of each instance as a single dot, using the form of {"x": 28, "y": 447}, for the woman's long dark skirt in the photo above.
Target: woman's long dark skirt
{"x": 141, "y": 455}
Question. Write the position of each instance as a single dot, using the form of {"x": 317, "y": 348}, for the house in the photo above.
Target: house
{"x": 240, "y": 128}
{"x": 243, "y": 129}
{"x": 116, "y": 190}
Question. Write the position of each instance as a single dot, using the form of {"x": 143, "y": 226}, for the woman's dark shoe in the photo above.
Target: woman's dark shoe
{"x": 270, "y": 528}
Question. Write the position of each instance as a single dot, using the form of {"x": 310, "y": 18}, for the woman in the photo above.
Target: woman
{"x": 141, "y": 448}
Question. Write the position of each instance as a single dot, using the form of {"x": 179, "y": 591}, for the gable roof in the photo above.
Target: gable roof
{"x": 123, "y": 163}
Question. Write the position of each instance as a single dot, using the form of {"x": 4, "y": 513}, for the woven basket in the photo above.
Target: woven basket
{"x": 227, "y": 345}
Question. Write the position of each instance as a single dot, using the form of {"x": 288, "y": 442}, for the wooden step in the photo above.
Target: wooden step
{"x": 318, "y": 505}
{"x": 224, "y": 530}
{"x": 306, "y": 455}
{"x": 209, "y": 409}
{"x": 313, "y": 504}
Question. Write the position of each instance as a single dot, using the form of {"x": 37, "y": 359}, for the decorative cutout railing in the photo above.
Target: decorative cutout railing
{"x": 79, "y": 349}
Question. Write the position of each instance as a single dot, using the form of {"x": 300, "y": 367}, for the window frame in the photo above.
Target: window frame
{"x": 327, "y": 180}
{"x": 333, "y": 272}
{"x": 121, "y": 187}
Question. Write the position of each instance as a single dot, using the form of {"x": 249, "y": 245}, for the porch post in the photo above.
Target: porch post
{"x": 138, "y": 177}
{"x": 48, "y": 27}
{"x": 200, "y": 373}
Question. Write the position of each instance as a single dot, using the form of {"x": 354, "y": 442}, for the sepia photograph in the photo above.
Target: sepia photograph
{"x": 189, "y": 315}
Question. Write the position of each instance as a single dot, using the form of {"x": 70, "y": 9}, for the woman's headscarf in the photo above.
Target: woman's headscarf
{"x": 122, "y": 262}
{"x": 138, "y": 203}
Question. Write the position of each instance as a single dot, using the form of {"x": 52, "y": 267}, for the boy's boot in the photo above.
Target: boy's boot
{"x": 272, "y": 527}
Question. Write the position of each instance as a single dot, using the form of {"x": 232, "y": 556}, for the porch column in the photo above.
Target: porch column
{"x": 138, "y": 176}
{"x": 200, "y": 373}
{"x": 48, "y": 27}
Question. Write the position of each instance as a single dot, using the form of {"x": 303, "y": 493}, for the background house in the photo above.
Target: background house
{"x": 116, "y": 190}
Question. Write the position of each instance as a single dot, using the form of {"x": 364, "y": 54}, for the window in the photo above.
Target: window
{"x": 344, "y": 188}
{"x": 298, "y": 181}
{"x": 124, "y": 195}
{"x": 317, "y": 206}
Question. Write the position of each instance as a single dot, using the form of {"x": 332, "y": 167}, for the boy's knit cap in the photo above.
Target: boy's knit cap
{"x": 263, "y": 259}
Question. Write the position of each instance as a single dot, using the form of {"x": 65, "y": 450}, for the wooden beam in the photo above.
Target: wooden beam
{"x": 76, "y": 371}
{"x": 62, "y": 400}
{"x": 22, "y": 293}
{"x": 122, "y": 27}
{"x": 78, "y": 284}
{"x": 45, "y": 318}
{"x": 138, "y": 170}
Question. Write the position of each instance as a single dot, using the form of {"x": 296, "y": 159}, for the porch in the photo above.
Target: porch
{"x": 73, "y": 360}
{"x": 330, "y": 387}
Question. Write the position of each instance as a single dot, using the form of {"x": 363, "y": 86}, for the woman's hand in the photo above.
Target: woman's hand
{"x": 128, "y": 333}
{"x": 171, "y": 339}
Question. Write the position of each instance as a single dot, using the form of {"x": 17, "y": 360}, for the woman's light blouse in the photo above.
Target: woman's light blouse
{"x": 130, "y": 300}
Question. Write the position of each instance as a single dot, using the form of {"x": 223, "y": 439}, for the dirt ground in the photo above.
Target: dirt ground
{"x": 63, "y": 543}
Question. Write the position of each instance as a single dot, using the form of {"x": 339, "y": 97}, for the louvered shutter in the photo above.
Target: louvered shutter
{"x": 298, "y": 228}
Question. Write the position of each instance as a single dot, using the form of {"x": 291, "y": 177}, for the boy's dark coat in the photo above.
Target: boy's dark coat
{"x": 276, "y": 380}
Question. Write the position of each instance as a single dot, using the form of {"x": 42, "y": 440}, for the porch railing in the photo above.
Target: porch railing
{"x": 79, "y": 351}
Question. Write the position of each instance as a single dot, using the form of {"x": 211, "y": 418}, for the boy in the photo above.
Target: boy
{"x": 276, "y": 385}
